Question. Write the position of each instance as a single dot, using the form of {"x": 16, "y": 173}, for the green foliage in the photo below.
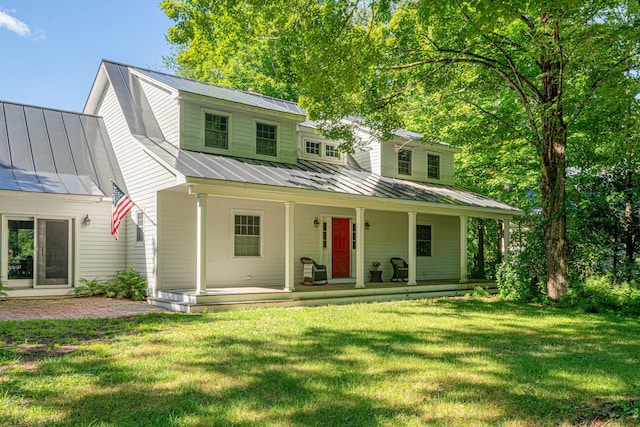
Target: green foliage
{"x": 127, "y": 284}
{"x": 124, "y": 284}
{"x": 481, "y": 292}
{"x": 598, "y": 294}
{"x": 90, "y": 288}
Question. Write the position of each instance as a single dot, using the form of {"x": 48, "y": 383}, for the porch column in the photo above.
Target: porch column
{"x": 506, "y": 239}
{"x": 201, "y": 241}
{"x": 289, "y": 254}
{"x": 359, "y": 247}
{"x": 413, "y": 216}
{"x": 463, "y": 249}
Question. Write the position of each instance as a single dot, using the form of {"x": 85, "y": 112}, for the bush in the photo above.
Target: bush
{"x": 124, "y": 284}
{"x": 598, "y": 294}
{"x": 90, "y": 288}
{"x": 514, "y": 283}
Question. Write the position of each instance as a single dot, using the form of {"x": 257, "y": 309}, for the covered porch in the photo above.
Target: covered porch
{"x": 232, "y": 298}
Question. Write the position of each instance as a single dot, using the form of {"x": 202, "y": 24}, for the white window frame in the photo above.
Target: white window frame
{"x": 439, "y": 165}
{"x": 322, "y": 155}
{"x": 139, "y": 228}
{"x": 255, "y": 138}
{"x": 262, "y": 216}
{"x": 426, "y": 224}
{"x": 229, "y": 116}
{"x": 401, "y": 150}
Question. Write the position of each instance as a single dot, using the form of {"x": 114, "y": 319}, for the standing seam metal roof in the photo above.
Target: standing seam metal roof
{"x": 304, "y": 174}
{"x": 52, "y": 151}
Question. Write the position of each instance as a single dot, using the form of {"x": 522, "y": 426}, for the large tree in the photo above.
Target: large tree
{"x": 531, "y": 66}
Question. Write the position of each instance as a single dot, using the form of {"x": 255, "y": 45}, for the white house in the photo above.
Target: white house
{"x": 55, "y": 200}
{"x": 237, "y": 187}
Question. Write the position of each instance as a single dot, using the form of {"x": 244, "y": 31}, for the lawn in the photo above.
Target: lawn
{"x": 430, "y": 362}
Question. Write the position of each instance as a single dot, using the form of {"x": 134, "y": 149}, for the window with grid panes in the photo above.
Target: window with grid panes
{"x": 331, "y": 151}
{"x": 139, "y": 227}
{"x": 312, "y": 148}
{"x": 247, "y": 235}
{"x": 216, "y": 131}
{"x": 404, "y": 162}
{"x": 423, "y": 240}
{"x": 266, "y": 139}
{"x": 433, "y": 166}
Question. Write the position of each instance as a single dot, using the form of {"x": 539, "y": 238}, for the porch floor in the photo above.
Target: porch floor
{"x": 226, "y": 298}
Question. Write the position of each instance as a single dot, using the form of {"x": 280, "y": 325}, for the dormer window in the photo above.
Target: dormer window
{"x": 404, "y": 162}
{"x": 266, "y": 139}
{"x": 312, "y": 148}
{"x": 216, "y": 131}
{"x": 320, "y": 150}
{"x": 433, "y": 166}
{"x": 331, "y": 151}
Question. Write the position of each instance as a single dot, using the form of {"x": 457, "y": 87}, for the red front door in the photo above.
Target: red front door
{"x": 340, "y": 247}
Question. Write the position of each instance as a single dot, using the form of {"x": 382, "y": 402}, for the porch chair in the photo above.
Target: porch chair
{"x": 400, "y": 270}
{"x": 313, "y": 273}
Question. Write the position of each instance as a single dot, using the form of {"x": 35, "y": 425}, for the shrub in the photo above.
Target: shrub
{"x": 514, "y": 284}
{"x": 90, "y": 288}
{"x": 598, "y": 294}
{"x": 127, "y": 284}
{"x": 124, "y": 284}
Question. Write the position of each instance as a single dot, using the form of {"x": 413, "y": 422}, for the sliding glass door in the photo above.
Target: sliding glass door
{"x": 38, "y": 252}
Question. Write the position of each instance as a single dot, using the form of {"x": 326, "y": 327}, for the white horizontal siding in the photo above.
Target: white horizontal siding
{"x": 165, "y": 110}
{"x": 143, "y": 177}
{"x": 387, "y": 237}
{"x": 98, "y": 254}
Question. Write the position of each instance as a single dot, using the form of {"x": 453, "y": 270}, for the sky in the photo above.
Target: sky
{"x": 50, "y": 51}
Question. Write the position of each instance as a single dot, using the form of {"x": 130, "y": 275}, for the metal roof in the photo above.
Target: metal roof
{"x": 348, "y": 180}
{"x": 225, "y": 93}
{"x": 52, "y": 151}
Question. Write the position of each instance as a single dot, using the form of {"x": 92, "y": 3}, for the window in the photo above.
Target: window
{"x": 266, "y": 139}
{"x": 216, "y": 131}
{"x": 423, "y": 240}
{"x": 433, "y": 166}
{"x": 331, "y": 151}
{"x": 404, "y": 162}
{"x": 324, "y": 235}
{"x": 353, "y": 236}
{"x": 247, "y": 235}
{"x": 312, "y": 148}
{"x": 140, "y": 227}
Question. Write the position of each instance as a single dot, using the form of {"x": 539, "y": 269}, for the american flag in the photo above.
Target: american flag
{"x": 121, "y": 205}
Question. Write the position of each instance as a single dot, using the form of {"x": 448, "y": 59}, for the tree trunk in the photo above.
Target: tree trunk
{"x": 553, "y": 161}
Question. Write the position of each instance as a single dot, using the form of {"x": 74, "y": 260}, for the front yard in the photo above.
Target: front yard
{"x": 430, "y": 362}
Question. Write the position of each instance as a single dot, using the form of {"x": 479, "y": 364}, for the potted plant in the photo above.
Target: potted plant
{"x": 375, "y": 265}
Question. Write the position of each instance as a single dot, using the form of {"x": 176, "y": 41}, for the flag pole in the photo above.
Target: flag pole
{"x": 139, "y": 208}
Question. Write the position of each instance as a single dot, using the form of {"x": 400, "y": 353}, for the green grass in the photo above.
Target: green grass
{"x": 444, "y": 362}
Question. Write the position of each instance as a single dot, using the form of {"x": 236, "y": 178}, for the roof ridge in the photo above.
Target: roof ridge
{"x": 21, "y": 104}
{"x": 164, "y": 73}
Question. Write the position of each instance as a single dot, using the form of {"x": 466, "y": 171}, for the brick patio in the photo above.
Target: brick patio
{"x": 72, "y": 308}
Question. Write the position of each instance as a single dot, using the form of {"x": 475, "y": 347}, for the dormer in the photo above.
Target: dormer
{"x": 313, "y": 146}
{"x": 406, "y": 156}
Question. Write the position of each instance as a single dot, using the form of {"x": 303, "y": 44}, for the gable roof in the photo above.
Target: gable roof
{"x": 52, "y": 151}
{"x": 348, "y": 180}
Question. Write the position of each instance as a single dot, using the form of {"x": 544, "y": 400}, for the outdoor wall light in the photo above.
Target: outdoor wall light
{"x": 316, "y": 222}
{"x": 366, "y": 224}
{"x": 86, "y": 221}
